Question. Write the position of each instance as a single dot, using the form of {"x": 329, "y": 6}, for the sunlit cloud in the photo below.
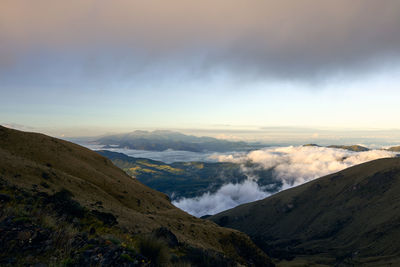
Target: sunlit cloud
{"x": 291, "y": 166}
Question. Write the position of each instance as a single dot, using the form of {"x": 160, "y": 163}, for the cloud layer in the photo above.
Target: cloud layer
{"x": 167, "y": 156}
{"x": 122, "y": 39}
{"x": 291, "y": 166}
{"x": 228, "y": 196}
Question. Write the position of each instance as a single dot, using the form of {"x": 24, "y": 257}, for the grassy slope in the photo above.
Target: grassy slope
{"x": 350, "y": 217}
{"x": 29, "y": 159}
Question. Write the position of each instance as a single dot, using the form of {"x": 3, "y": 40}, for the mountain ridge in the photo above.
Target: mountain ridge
{"x": 349, "y": 217}
{"x": 161, "y": 140}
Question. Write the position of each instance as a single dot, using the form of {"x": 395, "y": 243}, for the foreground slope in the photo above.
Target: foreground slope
{"x": 350, "y": 217}
{"x": 37, "y": 164}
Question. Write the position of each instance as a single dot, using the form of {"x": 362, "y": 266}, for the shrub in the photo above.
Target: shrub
{"x": 64, "y": 204}
{"x": 155, "y": 250}
{"x": 44, "y": 184}
{"x": 127, "y": 257}
{"x": 106, "y": 217}
{"x": 45, "y": 176}
{"x": 206, "y": 258}
{"x": 68, "y": 262}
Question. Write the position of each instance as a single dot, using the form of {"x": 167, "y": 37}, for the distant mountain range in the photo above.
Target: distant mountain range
{"x": 350, "y": 218}
{"x": 394, "y": 149}
{"x": 164, "y": 140}
{"x": 355, "y": 148}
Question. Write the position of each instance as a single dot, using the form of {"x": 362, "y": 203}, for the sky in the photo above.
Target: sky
{"x": 85, "y": 67}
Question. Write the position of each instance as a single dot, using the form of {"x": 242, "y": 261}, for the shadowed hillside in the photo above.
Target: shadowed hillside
{"x": 350, "y": 218}
{"x": 83, "y": 191}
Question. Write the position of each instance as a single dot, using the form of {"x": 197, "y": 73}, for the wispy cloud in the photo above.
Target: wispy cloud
{"x": 228, "y": 196}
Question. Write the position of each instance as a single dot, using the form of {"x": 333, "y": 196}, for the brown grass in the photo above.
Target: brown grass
{"x": 93, "y": 178}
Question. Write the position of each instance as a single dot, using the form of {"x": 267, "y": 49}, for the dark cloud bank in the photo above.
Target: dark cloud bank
{"x": 120, "y": 39}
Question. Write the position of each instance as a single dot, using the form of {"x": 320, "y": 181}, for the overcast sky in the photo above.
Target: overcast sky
{"x": 96, "y": 66}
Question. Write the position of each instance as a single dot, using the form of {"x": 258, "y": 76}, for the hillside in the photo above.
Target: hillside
{"x": 348, "y": 218}
{"x": 188, "y": 179}
{"x": 163, "y": 140}
{"x": 52, "y": 188}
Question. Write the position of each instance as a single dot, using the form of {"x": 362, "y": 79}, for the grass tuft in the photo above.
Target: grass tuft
{"x": 155, "y": 250}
